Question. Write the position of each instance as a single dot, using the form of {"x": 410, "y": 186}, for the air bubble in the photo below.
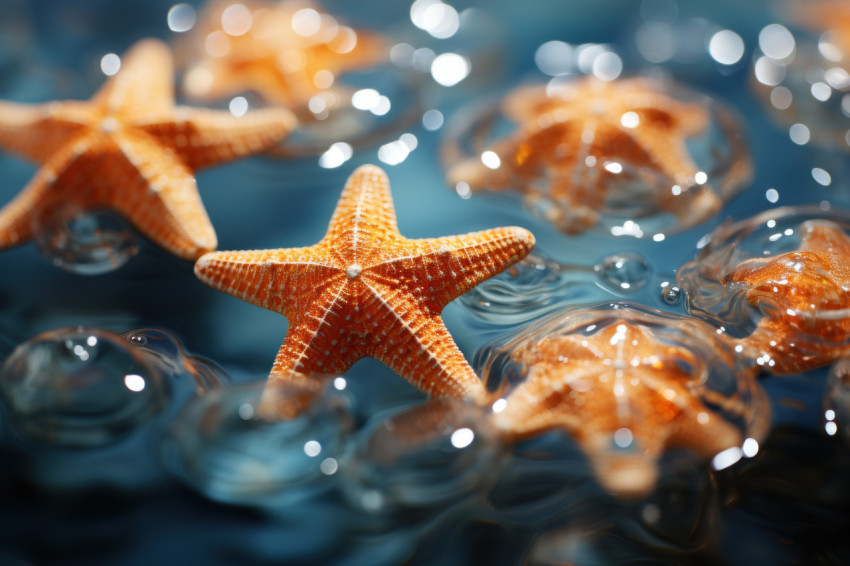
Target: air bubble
{"x": 80, "y": 387}
{"x": 624, "y": 272}
{"x": 255, "y": 461}
{"x": 671, "y": 294}
{"x": 85, "y": 242}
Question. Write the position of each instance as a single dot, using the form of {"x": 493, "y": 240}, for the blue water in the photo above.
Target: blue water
{"x": 134, "y": 501}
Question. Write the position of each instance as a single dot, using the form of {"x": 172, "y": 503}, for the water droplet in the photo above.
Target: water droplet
{"x": 837, "y": 401}
{"x": 624, "y": 271}
{"x": 85, "y": 242}
{"x": 671, "y": 294}
{"x": 165, "y": 351}
{"x": 80, "y": 387}
{"x": 215, "y": 449}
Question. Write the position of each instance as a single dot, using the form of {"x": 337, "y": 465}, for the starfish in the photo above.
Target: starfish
{"x": 131, "y": 150}
{"x": 827, "y": 15}
{"x": 624, "y": 394}
{"x": 573, "y": 145}
{"x": 803, "y": 297}
{"x": 365, "y": 290}
{"x": 284, "y": 51}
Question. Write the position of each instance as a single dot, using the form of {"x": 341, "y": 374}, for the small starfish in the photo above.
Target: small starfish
{"x": 284, "y": 51}
{"x": 365, "y": 290}
{"x": 131, "y": 150}
{"x": 624, "y": 394}
{"x": 803, "y": 297}
{"x": 576, "y": 143}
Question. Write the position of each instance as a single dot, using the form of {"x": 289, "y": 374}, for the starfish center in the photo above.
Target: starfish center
{"x": 109, "y": 125}
{"x": 598, "y": 108}
{"x": 353, "y": 271}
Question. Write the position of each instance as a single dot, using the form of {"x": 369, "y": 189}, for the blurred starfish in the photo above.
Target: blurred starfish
{"x": 131, "y": 150}
{"x": 575, "y": 143}
{"x": 365, "y": 290}
{"x": 826, "y": 15}
{"x": 284, "y": 51}
{"x": 624, "y": 394}
{"x": 803, "y": 297}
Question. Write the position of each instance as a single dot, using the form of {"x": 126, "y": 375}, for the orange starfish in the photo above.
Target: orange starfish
{"x": 575, "y": 144}
{"x": 826, "y": 15}
{"x": 625, "y": 394}
{"x": 131, "y": 150}
{"x": 285, "y": 51}
{"x": 365, "y": 290}
{"x": 804, "y": 297}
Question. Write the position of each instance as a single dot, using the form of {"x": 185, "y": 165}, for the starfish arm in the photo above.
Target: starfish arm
{"x": 318, "y": 344}
{"x": 365, "y": 210}
{"x": 662, "y": 149}
{"x": 655, "y": 106}
{"x": 145, "y": 84}
{"x": 204, "y": 137}
{"x": 448, "y": 267}
{"x": 537, "y": 406}
{"x": 417, "y": 346}
{"x": 18, "y": 217}
{"x": 707, "y": 438}
{"x": 282, "y": 280}
{"x": 38, "y": 131}
{"x": 830, "y": 240}
{"x": 160, "y": 196}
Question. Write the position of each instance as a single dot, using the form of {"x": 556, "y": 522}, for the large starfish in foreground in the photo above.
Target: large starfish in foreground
{"x": 624, "y": 394}
{"x": 579, "y": 148}
{"x": 365, "y": 290}
{"x": 131, "y": 150}
{"x": 804, "y": 297}
{"x": 285, "y": 51}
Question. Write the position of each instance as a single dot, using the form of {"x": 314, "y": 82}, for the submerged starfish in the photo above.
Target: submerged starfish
{"x": 131, "y": 150}
{"x": 284, "y": 51}
{"x": 624, "y": 394}
{"x": 365, "y": 290}
{"x": 804, "y": 297}
{"x": 575, "y": 144}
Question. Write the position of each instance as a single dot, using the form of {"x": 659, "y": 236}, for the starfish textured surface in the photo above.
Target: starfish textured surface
{"x": 131, "y": 150}
{"x": 804, "y": 299}
{"x": 284, "y": 51}
{"x": 624, "y": 394}
{"x": 574, "y": 144}
{"x": 365, "y": 290}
